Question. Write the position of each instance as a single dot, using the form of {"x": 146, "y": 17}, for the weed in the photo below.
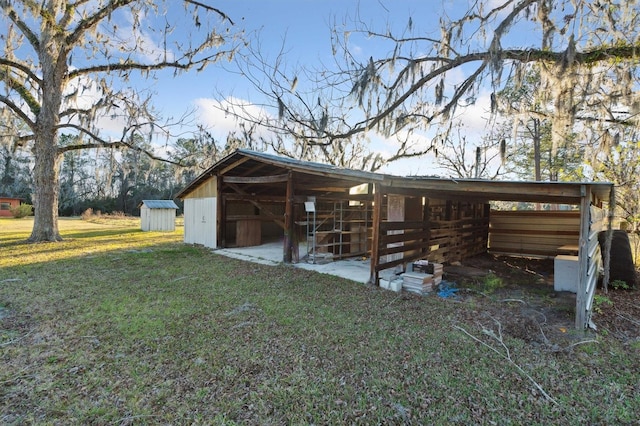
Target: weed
{"x": 620, "y": 285}
{"x": 599, "y": 301}
{"x": 491, "y": 283}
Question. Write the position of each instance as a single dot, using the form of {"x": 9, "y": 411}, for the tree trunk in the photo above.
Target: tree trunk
{"x": 537, "y": 137}
{"x": 47, "y": 158}
{"x": 45, "y": 196}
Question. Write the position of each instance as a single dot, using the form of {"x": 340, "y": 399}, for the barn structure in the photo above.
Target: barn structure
{"x": 249, "y": 197}
{"x": 158, "y": 215}
{"x": 8, "y": 203}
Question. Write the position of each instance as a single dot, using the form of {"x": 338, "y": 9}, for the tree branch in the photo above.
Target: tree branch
{"x": 132, "y": 66}
{"x": 22, "y": 67}
{"x": 102, "y": 143}
{"x": 11, "y": 13}
{"x": 18, "y": 111}
{"x": 25, "y": 94}
{"x": 589, "y": 57}
{"x": 210, "y": 8}
{"x": 506, "y": 355}
{"x": 93, "y": 20}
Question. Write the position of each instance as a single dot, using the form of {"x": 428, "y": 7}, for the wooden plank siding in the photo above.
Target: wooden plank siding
{"x": 536, "y": 233}
{"x": 449, "y": 232}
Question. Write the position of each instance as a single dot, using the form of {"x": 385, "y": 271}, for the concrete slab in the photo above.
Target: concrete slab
{"x": 355, "y": 269}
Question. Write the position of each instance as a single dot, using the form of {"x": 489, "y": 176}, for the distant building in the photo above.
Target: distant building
{"x": 8, "y": 203}
{"x": 158, "y": 215}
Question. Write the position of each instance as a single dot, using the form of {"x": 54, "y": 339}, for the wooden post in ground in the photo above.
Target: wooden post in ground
{"x": 221, "y": 220}
{"x": 375, "y": 242}
{"x": 583, "y": 256}
{"x": 288, "y": 222}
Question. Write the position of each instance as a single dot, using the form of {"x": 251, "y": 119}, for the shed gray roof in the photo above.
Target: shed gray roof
{"x": 318, "y": 178}
{"x": 159, "y": 204}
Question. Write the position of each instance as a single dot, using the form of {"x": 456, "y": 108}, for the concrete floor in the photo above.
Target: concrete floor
{"x": 355, "y": 269}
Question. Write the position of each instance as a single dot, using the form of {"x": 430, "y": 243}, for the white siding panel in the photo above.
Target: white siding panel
{"x": 200, "y": 221}
{"x": 157, "y": 219}
{"x": 145, "y": 216}
{"x": 163, "y": 219}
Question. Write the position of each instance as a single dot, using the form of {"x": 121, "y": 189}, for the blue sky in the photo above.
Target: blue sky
{"x": 303, "y": 30}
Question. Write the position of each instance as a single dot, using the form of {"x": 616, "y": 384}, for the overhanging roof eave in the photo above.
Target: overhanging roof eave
{"x": 545, "y": 192}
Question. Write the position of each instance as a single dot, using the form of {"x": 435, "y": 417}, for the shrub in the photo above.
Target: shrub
{"x": 87, "y": 214}
{"x": 23, "y": 210}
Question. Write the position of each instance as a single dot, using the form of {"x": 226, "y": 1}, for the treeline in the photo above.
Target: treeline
{"x": 113, "y": 180}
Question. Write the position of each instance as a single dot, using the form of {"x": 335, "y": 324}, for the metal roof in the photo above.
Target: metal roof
{"x": 159, "y": 204}
{"x": 318, "y": 179}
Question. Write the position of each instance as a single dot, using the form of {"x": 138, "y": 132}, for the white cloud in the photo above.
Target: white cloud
{"x": 220, "y": 117}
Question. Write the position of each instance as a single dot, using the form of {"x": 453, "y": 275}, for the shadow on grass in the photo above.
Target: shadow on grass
{"x": 74, "y": 245}
{"x": 101, "y": 233}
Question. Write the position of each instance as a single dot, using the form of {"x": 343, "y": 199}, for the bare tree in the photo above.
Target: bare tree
{"x": 65, "y": 65}
{"x": 483, "y": 159}
{"x": 586, "y": 51}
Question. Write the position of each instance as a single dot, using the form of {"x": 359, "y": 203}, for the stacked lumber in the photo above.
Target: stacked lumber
{"x": 417, "y": 282}
{"x": 437, "y": 270}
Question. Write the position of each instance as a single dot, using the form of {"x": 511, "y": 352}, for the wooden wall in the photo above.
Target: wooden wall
{"x": 207, "y": 189}
{"x": 448, "y": 232}
{"x": 242, "y": 211}
{"x": 536, "y": 233}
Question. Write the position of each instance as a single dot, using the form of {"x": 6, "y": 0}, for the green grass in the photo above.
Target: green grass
{"x": 117, "y": 326}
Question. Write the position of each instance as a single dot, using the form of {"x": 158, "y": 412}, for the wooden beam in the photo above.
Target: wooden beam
{"x": 427, "y": 225}
{"x": 220, "y": 215}
{"x": 408, "y": 258}
{"x": 232, "y": 166}
{"x": 223, "y": 222}
{"x": 375, "y": 243}
{"x": 408, "y": 246}
{"x": 256, "y": 179}
{"x": 289, "y": 229}
{"x": 262, "y": 208}
{"x": 274, "y": 199}
{"x": 264, "y": 218}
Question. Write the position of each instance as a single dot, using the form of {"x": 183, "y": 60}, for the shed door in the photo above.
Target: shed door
{"x": 200, "y": 221}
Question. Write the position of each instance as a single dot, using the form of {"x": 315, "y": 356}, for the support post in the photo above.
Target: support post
{"x": 375, "y": 242}
{"x": 583, "y": 257}
{"x": 609, "y": 237}
{"x": 288, "y": 222}
{"x": 221, "y": 219}
{"x": 426, "y": 220}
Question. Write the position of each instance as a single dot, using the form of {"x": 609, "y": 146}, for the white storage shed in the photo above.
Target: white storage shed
{"x": 158, "y": 215}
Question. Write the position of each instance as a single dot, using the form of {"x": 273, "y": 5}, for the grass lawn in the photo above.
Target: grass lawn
{"x": 116, "y": 326}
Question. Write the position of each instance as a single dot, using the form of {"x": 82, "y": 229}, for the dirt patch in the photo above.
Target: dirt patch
{"x": 517, "y": 296}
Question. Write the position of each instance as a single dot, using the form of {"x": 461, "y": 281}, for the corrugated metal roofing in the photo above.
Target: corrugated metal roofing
{"x": 317, "y": 179}
{"x": 159, "y": 204}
